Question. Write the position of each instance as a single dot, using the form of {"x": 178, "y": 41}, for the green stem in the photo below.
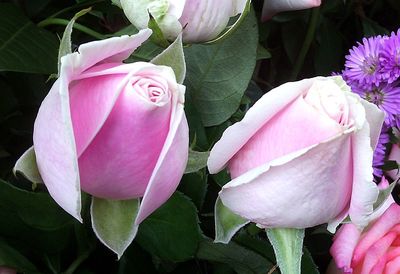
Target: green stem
{"x": 59, "y": 21}
{"x": 312, "y": 26}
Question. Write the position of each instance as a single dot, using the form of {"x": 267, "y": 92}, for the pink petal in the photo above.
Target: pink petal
{"x": 292, "y": 191}
{"x": 382, "y": 226}
{"x": 375, "y": 118}
{"x": 272, "y": 7}
{"x": 53, "y": 135}
{"x": 393, "y": 267}
{"x": 170, "y": 165}
{"x": 379, "y": 267}
{"x": 126, "y": 148}
{"x": 376, "y": 251}
{"x": 265, "y": 145}
{"x": 344, "y": 243}
{"x": 237, "y": 135}
{"x": 365, "y": 192}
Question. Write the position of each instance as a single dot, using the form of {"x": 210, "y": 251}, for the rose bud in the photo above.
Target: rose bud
{"x": 198, "y": 20}
{"x": 301, "y": 156}
{"x": 272, "y": 7}
{"x": 114, "y": 130}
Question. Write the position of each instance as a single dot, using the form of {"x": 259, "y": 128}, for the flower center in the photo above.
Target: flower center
{"x": 375, "y": 96}
{"x": 151, "y": 88}
{"x": 370, "y": 65}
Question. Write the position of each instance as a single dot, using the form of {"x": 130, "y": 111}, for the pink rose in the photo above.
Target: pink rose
{"x": 7, "y": 270}
{"x": 198, "y": 20}
{"x": 111, "y": 129}
{"x": 375, "y": 250}
{"x": 301, "y": 156}
{"x": 272, "y": 7}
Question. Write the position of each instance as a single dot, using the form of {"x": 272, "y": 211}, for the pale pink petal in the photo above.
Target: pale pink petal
{"x": 272, "y": 7}
{"x": 365, "y": 192}
{"x": 53, "y": 135}
{"x": 394, "y": 156}
{"x": 112, "y": 50}
{"x": 289, "y": 191}
{"x": 170, "y": 165}
{"x": 126, "y": 148}
{"x": 283, "y": 135}
{"x": 393, "y": 267}
{"x": 375, "y": 118}
{"x": 203, "y": 20}
{"x": 376, "y": 251}
{"x": 393, "y": 253}
{"x": 237, "y": 135}
{"x": 345, "y": 241}
{"x": 238, "y": 6}
{"x": 382, "y": 226}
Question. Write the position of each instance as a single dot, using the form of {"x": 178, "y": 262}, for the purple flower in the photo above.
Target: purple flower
{"x": 362, "y": 65}
{"x": 380, "y": 152}
{"x": 390, "y": 57}
{"x": 385, "y": 96}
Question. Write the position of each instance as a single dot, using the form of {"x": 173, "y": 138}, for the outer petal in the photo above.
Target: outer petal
{"x": 365, "y": 191}
{"x": 292, "y": 191}
{"x": 236, "y": 136}
{"x": 343, "y": 246}
{"x": 171, "y": 162}
{"x": 203, "y": 20}
{"x": 271, "y": 7}
{"x": 53, "y": 136}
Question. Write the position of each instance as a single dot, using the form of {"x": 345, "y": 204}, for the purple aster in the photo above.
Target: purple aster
{"x": 385, "y": 96}
{"x": 390, "y": 57}
{"x": 380, "y": 152}
{"x": 362, "y": 65}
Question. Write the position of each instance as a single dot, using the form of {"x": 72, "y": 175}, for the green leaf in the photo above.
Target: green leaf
{"x": 227, "y": 223}
{"x": 65, "y": 43}
{"x": 37, "y": 210}
{"x": 172, "y": 232}
{"x": 218, "y": 74}
{"x": 263, "y": 53}
{"x": 307, "y": 264}
{"x": 372, "y": 28}
{"x": 173, "y": 57}
{"x": 113, "y": 222}
{"x": 10, "y": 257}
{"x": 241, "y": 259}
{"x": 288, "y": 245}
{"x": 157, "y": 37}
{"x": 197, "y": 160}
{"x": 26, "y": 165}
{"x": 194, "y": 185}
{"x": 23, "y": 46}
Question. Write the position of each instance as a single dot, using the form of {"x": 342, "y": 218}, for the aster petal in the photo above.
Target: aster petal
{"x": 173, "y": 156}
{"x": 277, "y": 202}
{"x": 345, "y": 241}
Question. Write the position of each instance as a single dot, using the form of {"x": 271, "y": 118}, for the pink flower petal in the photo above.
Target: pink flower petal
{"x": 272, "y": 7}
{"x": 236, "y": 136}
{"x": 393, "y": 267}
{"x": 170, "y": 165}
{"x": 268, "y": 195}
{"x": 345, "y": 241}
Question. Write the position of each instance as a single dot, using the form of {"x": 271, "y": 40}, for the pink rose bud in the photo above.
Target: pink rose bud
{"x": 301, "y": 156}
{"x": 272, "y": 7}
{"x": 199, "y": 20}
{"x": 7, "y": 270}
{"x": 114, "y": 130}
{"x": 394, "y": 155}
{"x": 374, "y": 250}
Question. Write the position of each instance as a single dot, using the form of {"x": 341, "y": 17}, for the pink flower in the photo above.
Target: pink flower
{"x": 301, "y": 156}
{"x": 6, "y": 270}
{"x": 272, "y": 7}
{"x": 111, "y": 129}
{"x": 198, "y": 20}
{"x": 375, "y": 250}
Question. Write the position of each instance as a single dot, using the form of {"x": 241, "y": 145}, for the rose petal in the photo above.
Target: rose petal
{"x": 237, "y": 135}
{"x": 393, "y": 267}
{"x": 53, "y": 136}
{"x": 111, "y": 156}
{"x": 390, "y": 218}
{"x": 394, "y": 156}
{"x": 289, "y": 191}
{"x": 170, "y": 165}
{"x": 272, "y": 7}
{"x": 345, "y": 241}
{"x": 381, "y": 264}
